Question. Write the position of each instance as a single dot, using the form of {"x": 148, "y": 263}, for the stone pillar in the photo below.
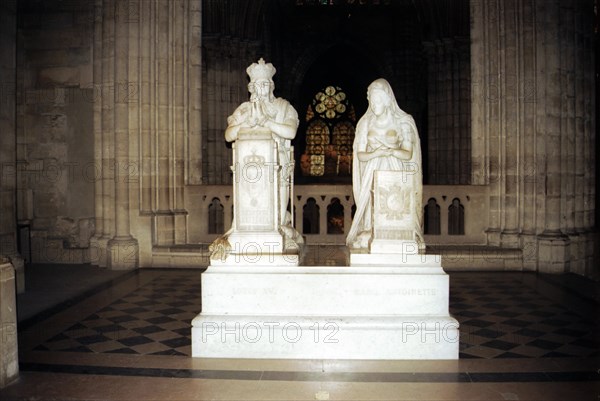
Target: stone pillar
{"x": 164, "y": 232}
{"x": 8, "y": 141}
{"x": 553, "y": 251}
{"x": 104, "y": 127}
{"x": 147, "y": 127}
{"x": 194, "y": 73}
{"x": 530, "y": 70}
{"x": 485, "y": 113}
{"x": 147, "y": 124}
{"x": 528, "y": 174}
{"x": 9, "y": 350}
{"x": 568, "y": 131}
{"x": 114, "y": 245}
{"x": 510, "y": 109}
{"x": 322, "y": 204}
{"x": 97, "y": 246}
{"x": 479, "y": 66}
{"x": 588, "y": 67}
{"x": 585, "y": 140}
{"x": 169, "y": 91}
{"x": 122, "y": 248}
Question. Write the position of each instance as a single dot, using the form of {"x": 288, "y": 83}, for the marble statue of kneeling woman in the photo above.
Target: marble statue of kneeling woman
{"x": 386, "y": 139}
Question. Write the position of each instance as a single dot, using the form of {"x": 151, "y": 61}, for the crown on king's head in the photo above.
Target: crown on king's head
{"x": 261, "y": 70}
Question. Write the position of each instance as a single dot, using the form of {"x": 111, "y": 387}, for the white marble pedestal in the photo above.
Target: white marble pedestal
{"x": 378, "y": 308}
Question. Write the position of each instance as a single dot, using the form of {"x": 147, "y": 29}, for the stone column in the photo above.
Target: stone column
{"x": 568, "y": 132}
{"x": 485, "y": 112}
{"x": 97, "y": 246}
{"x": 147, "y": 96}
{"x": 553, "y": 252}
{"x": 164, "y": 231}
{"x": 123, "y": 248}
{"x": 510, "y": 103}
{"x": 8, "y": 141}
{"x": 479, "y": 129}
{"x": 530, "y": 144}
{"x": 347, "y": 202}
{"x": 169, "y": 92}
{"x": 322, "y": 204}
{"x": 194, "y": 74}
{"x": 586, "y": 133}
{"x": 9, "y": 350}
{"x": 147, "y": 64}
{"x": 505, "y": 148}
{"x": 104, "y": 129}
{"x": 528, "y": 171}
{"x": 586, "y": 66}
{"x": 114, "y": 245}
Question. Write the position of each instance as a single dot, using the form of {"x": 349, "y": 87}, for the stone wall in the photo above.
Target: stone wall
{"x": 55, "y": 164}
{"x": 109, "y": 126}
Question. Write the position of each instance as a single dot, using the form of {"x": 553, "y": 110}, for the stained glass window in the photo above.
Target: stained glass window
{"x": 329, "y": 135}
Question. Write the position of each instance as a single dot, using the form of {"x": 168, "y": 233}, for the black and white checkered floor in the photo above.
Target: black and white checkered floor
{"x": 523, "y": 336}
{"x": 500, "y": 316}
{"x": 152, "y": 320}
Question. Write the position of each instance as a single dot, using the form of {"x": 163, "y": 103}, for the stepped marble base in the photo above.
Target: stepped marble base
{"x": 322, "y": 337}
{"x": 385, "y": 310}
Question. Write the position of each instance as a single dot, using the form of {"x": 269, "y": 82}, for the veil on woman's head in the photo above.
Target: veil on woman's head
{"x": 383, "y": 85}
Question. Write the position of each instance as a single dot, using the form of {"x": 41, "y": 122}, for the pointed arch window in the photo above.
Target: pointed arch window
{"x": 331, "y": 121}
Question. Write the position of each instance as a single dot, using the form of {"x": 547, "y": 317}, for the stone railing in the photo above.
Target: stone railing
{"x": 454, "y": 214}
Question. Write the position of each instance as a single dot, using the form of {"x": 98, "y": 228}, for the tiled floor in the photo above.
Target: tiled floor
{"x": 152, "y": 320}
{"x": 523, "y": 337}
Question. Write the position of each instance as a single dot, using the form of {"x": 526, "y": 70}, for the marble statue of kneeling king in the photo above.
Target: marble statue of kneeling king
{"x": 266, "y": 113}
